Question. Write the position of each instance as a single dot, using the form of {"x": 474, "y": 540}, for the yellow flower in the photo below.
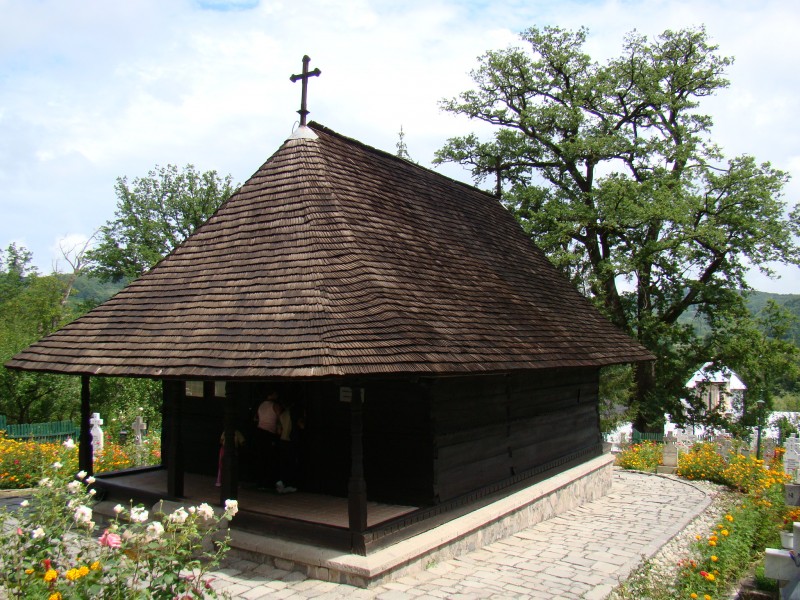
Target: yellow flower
{"x": 724, "y": 532}
{"x": 28, "y": 571}
{"x": 712, "y": 543}
{"x": 706, "y": 597}
{"x": 72, "y": 574}
{"x": 714, "y": 559}
{"x": 55, "y": 596}
{"x": 692, "y": 595}
{"x": 710, "y": 577}
{"x": 83, "y": 571}
{"x": 95, "y": 566}
{"x": 50, "y": 575}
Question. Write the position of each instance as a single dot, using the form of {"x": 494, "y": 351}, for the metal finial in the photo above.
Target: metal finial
{"x": 305, "y": 75}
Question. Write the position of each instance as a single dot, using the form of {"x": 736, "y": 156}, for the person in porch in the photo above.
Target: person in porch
{"x": 269, "y": 427}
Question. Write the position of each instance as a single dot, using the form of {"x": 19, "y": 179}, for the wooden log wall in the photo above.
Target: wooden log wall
{"x": 486, "y": 429}
{"x": 398, "y": 449}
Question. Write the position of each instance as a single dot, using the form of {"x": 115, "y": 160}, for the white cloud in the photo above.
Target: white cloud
{"x": 93, "y": 90}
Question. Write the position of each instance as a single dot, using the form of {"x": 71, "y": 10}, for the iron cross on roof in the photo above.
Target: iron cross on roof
{"x": 305, "y": 75}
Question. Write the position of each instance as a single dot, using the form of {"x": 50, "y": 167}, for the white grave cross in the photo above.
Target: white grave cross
{"x": 97, "y": 433}
{"x": 139, "y": 427}
{"x": 791, "y": 460}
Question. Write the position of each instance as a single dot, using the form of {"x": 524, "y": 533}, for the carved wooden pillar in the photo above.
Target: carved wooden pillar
{"x": 357, "y": 489}
{"x": 85, "y": 440}
{"x": 173, "y": 394}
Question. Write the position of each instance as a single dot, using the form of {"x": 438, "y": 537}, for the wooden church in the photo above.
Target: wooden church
{"x": 434, "y": 354}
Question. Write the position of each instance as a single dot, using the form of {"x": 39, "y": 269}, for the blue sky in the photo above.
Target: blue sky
{"x": 91, "y": 90}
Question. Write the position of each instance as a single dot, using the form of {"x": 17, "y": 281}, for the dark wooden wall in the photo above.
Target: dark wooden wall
{"x": 398, "y": 447}
{"x": 425, "y": 441}
{"x": 486, "y": 429}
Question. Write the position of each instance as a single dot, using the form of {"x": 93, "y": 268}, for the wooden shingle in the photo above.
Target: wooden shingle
{"x": 335, "y": 258}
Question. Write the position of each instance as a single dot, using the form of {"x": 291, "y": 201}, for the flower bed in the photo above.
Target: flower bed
{"x": 21, "y": 461}
{"x": 722, "y": 554}
{"x": 49, "y": 547}
{"x": 645, "y": 456}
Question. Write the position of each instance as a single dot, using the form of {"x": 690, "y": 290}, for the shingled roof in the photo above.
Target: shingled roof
{"x": 338, "y": 259}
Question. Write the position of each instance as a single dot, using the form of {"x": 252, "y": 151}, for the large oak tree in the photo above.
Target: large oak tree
{"x": 154, "y": 215}
{"x": 612, "y": 170}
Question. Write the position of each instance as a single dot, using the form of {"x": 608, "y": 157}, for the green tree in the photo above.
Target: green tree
{"x": 154, "y": 215}
{"x": 611, "y": 170}
{"x": 30, "y": 308}
{"x": 757, "y": 349}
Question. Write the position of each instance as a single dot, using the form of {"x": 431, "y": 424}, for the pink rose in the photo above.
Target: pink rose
{"x": 112, "y": 540}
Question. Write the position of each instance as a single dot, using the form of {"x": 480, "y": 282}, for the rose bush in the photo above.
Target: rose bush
{"x": 50, "y": 547}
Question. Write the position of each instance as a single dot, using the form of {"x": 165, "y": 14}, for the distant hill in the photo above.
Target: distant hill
{"x": 89, "y": 291}
{"x": 756, "y": 301}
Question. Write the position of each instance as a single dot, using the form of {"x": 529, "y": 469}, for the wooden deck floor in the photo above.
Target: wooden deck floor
{"x": 312, "y": 508}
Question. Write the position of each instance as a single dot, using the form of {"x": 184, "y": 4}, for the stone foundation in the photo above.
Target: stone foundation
{"x": 517, "y": 511}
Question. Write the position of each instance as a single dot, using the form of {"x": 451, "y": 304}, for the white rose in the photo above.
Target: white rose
{"x": 205, "y": 511}
{"x": 81, "y": 475}
{"x": 179, "y": 516}
{"x": 138, "y": 514}
{"x": 119, "y": 508}
{"x": 83, "y": 514}
{"x": 231, "y": 507}
{"x": 37, "y": 533}
{"x": 74, "y": 486}
{"x": 155, "y": 529}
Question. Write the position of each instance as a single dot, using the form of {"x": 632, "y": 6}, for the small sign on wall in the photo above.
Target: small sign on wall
{"x": 345, "y": 394}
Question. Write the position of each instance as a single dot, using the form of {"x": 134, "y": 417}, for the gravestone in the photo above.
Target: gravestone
{"x": 97, "y": 433}
{"x": 726, "y": 449}
{"x": 791, "y": 465}
{"x": 783, "y": 565}
{"x": 669, "y": 458}
{"x": 769, "y": 449}
{"x": 139, "y": 427}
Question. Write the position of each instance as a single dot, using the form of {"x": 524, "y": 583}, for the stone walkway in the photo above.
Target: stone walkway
{"x": 584, "y": 553}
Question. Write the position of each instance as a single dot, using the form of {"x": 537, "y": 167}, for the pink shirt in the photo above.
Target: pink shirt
{"x": 268, "y": 417}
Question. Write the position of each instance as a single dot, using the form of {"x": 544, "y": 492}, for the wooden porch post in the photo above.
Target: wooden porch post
{"x": 85, "y": 440}
{"x": 173, "y": 393}
{"x": 229, "y": 489}
{"x": 357, "y": 489}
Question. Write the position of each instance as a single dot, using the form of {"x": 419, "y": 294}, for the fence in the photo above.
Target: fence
{"x": 637, "y": 437}
{"x": 55, "y": 431}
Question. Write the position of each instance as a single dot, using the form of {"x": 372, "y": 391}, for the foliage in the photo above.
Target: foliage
{"x": 703, "y": 461}
{"x": 722, "y": 555}
{"x": 154, "y": 215}
{"x": 645, "y": 456}
{"x": 122, "y": 399}
{"x": 758, "y": 351}
{"x": 616, "y": 386}
{"x": 30, "y": 308}
{"x": 48, "y": 550}
{"x": 611, "y": 170}
{"x": 89, "y": 292}
{"x": 21, "y": 461}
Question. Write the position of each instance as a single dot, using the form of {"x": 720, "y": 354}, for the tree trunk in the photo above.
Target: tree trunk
{"x": 649, "y": 418}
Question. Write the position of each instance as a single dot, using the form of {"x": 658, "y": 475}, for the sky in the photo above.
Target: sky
{"x": 91, "y": 90}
